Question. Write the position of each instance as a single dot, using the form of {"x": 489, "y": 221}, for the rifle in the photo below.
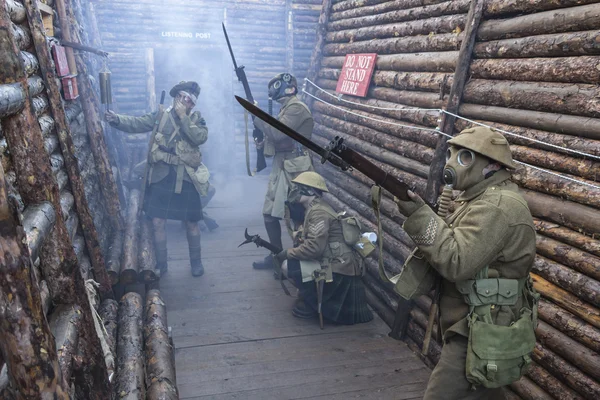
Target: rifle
{"x": 159, "y": 116}
{"x": 257, "y": 134}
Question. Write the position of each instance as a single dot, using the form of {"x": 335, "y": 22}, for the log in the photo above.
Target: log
{"x": 162, "y": 390}
{"x": 417, "y": 333}
{"x": 22, "y": 37}
{"x": 560, "y": 123}
{"x": 553, "y": 45}
{"x": 573, "y": 377}
{"x": 570, "y": 325}
{"x": 426, "y": 81}
{"x": 72, "y": 224}
{"x": 45, "y": 296}
{"x": 27, "y": 345}
{"x": 582, "y": 69}
{"x": 526, "y": 389}
{"x": 584, "y": 287}
{"x": 129, "y": 259}
{"x": 108, "y": 312}
{"x": 427, "y": 11}
{"x": 40, "y": 105}
{"x": 65, "y": 322}
{"x": 566, "y": 300}
{"x": 568, "y": 236}
{"x": 436, "y": 25}
{"x": 570, "y": 19}
{"x": 420, "y": 62}
{"x": 47, "y": 125}
{"x": 497, "y": 8}
{"x": 560, "y": 98}
{"x": 15, "y": 10}
{"x": 66, "y": 204}
{"x": 384, "y": 312}
{"x": 566, "y": 213}
{"x": 368, "y": 149}
{"x": 30, "y": 63}
{"x": 580, "y": 191}
{"x": 375, "y": 6}
{"x": 565, "y": 254}
{"x": 317, "y": 55}
{"x": 399, "y": 146}
{"x": 113, "y": 264}
{"x": 550, "y": 384}
{"x": 421, "y": 317}
{"x": 382, "y": 292}
{"x": 146, "y": 255}
{"x": 38, "y": 221}
{"x": 12, "y": 96}
{"x": 160, "y": 365}
{"x": 409, "y": 44}
{"x": 129, "y": 382}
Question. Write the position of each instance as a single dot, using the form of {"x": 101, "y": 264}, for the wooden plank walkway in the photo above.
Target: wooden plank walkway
{"x": 235, "y": 337}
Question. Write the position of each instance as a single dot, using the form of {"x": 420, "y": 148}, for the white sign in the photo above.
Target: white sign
{"x": 186, "y": 35}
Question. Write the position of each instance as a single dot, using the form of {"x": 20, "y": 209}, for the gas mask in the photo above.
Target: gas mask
{"x": 279, "y": 88}
{"x": 297, "y": 210}
{"x": 464, "y": 168}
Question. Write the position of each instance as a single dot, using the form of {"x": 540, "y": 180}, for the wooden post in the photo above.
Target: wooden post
{"x": 317, "y": 54}
{"x": 150, "y": 79}
{"x": 289, "y": 37}
{"x": 66, "y": 34}
{"x": 434, "y": 181}
{"x": 68, "y": 149}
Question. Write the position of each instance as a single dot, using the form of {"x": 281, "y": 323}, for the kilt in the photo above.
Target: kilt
{"x": 344, "y": 299}
{"x": 161, "y": 201}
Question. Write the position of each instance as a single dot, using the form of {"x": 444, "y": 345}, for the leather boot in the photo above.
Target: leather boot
{"x": 267, "y": 263}
{"x": 301, "y": 310}
{"x": 273, "y": 228}
{"x": 161, "y": 256}
{"x": 195, "y": 254}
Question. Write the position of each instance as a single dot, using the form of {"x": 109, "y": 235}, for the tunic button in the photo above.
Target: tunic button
{"x": 487, "y": 291}
{"x": 508, "y": 292}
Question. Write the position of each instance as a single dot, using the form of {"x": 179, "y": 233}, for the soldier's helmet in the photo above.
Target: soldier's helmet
{"x": 487, "y": 142}
{"x": 311, "y": 179}
{"x": 187, "y": 86}
{"x": 285, "y": 77}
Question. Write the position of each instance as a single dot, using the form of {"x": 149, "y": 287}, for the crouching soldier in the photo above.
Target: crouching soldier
{"x": 176, "y": 177}
{"x": 323, "y": 249}
{"x": 484, "y": 252}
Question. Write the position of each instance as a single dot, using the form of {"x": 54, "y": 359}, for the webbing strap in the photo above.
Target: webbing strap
{"x": 247, "y": 144}
{"x": 376, "y": 203}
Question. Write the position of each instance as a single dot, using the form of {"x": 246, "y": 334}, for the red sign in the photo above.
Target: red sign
{"x": 60, "y": 60}
{"x": 356, "y": 74}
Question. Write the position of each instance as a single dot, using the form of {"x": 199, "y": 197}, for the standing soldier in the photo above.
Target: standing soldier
{"x": 176, "y": 177}
{"x": 484, "y": 252}
{"x": 289, "y": 159}
{"x": 322, "y": 253}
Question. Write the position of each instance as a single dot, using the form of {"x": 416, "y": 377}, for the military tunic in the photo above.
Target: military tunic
{"x": 175, "y": 180}
{"x": 492, "y": 226}
{"x": 344, "y": 299}
{"x": 288, "y": 162}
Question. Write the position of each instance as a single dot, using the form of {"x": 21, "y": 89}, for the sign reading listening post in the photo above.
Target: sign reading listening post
{"x": 356, "y": 74}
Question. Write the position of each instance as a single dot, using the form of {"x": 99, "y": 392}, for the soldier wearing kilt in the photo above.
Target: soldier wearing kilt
{"x": 176, "y": 177}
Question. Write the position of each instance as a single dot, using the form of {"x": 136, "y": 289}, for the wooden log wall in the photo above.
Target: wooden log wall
{"x": 302, "y": 19}
{"x": 533, "y": 72}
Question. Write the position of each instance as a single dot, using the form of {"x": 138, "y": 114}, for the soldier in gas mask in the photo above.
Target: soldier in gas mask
{"x": 176, "y": 177}
{"x": 484, "y": 252}
{"x": 289, "y": 159}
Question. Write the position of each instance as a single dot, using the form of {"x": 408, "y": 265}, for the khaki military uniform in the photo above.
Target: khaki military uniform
{"x": 493, "y": 227}
{"x": 288, "y": 161}
{"x": 181, "y": 139}
{"x": 323, "y": 241}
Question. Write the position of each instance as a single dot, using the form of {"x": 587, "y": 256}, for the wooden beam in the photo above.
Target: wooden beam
{"x": 317, "y": 53}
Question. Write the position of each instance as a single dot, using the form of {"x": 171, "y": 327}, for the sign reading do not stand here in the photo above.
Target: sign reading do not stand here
{"x": 356, "y": 74}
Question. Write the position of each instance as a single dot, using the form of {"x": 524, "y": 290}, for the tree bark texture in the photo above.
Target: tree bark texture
{"x": 129, "y": 383}
{"x": 436, "y": 25}
{"x": 560, "y": 98}
{"x": 569, "y": 236}
{"x": 108, "y": 312}
{"x": 428, "y": 11}
{"x": 417, "y": 333}
{"x": 356, "y": 8}
{"x": 16, "y": 11}
{"x": 553, "y": 45}
{"x": 146, "y": 255}
{"x": 317, "y": 53}
{"x": 572, "y": 215}
{"x": 497, "y": 8}
{"x": 581, "y": 69}
{"x": 581, "y": 18}
{"x": 444, "y": 61}
{"x": 404, "y": 148}
{"x": 528, "y": 390}
{"x": 162, "y": 390}
{"x": 30, "y": 63}
{"x": 569, "y": 256}
{"x": 559, "y": 123}
{"x": 160, "y": 369}
{"x": 573, "y": 377}
{"x": 12, "y": 96}
{"x": 129, "y": 259}
{"x": 566, "y": 300}
{"x": 27, "y": 345}
{"x": 65, "y": 322}
{"x": 550, "y": 384}
{"x": 38, "y": 221}
{"x": 374, "y": 151}
{"x": 409, "y": 44}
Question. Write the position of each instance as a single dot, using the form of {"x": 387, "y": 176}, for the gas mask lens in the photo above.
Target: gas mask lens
{"x": 465, "y": 157}
{"x": 277, "y": 85}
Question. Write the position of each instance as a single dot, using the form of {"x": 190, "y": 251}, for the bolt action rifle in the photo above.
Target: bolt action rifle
{"x": 257, "y": 134}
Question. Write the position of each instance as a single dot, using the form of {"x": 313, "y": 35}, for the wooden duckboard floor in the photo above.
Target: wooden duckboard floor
{"x": 235, "y": 336}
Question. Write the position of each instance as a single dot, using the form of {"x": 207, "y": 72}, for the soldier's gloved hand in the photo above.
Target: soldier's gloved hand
{"x": 180, "y": 109}
{"x": 202, "y": 121}
{"x": 111, "y": 117}
{"x": 281, "y": 256}
{"x": 408, "y": 207}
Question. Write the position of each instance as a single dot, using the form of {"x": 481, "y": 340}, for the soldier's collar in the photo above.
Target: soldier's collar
{"x": 474, "y": 191}
{"x": 287, "y": 100}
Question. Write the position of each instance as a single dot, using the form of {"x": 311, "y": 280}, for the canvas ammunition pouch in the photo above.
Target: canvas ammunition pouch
{"x": 498, "y": 355}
